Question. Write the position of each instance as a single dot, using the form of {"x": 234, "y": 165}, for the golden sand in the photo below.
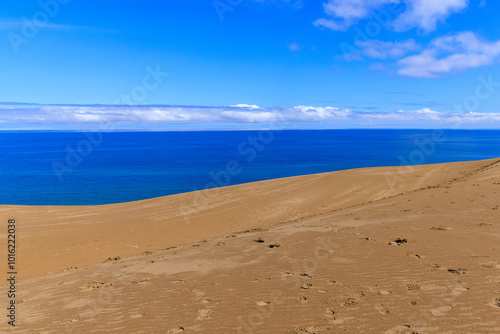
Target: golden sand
{"x": 373, "y": 250}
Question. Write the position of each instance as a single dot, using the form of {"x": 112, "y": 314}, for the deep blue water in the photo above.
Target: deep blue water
{"x": 39, "y": 168}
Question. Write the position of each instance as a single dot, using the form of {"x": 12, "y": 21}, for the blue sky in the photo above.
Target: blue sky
{"x": 70, "y": 64}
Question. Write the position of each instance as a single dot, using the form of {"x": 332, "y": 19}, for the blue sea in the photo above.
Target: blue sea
{"x": 77, "y": 168}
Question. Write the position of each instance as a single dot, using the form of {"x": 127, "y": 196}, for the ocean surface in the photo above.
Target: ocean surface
{"x": 76, "y": 168}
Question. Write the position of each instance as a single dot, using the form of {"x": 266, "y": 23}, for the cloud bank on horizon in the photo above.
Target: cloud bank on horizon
{"x": 324, "y": 64}
{"x": 238, "y": 117}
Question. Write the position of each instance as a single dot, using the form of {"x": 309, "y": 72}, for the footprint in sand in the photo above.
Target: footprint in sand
{"x": 310, "y": 330}
{"x": 435, "y": 267}
{"x": 459, "y": 291}
{"x": 440, "y": 228}
{"x": 496, "y": 302}
{"x": 412, "y": 287}
{"x": 261, "y": 303}
{"x": 330, "y": 314}
{"x": 413, "y": 255}
{"x": 142, "y": 282}
{"x": 333, "y": 282}
{"x": 198, "y": 293}
{"x": 350, "y": 302}
{"x": 95, "y": 285}
{"x": 382, "y": 309}
{"x": 289, "y": 273}
{"x": 302, "y": 299}
{"x": 440, "y": 311}
{"x": 397, "y": 242}
{"x": 306, "y": 286}
{"x": 459, "y": 271}
{"x": 203, "y": 313}
{"x": 176, "y": 330}
{"x": 405, "y": 329}
{"x": 69, "y": 268}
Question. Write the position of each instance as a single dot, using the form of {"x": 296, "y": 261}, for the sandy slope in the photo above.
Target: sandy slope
{"x": 378, "y": 250}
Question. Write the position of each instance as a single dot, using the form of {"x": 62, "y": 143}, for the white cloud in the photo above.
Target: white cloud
{"x": 314, "y": 114}
{"x": 427, "y": 116}
{"x": 180, "y": 117}
{"x": 346, "y": 13}
{"x": 383, "y": 50}
{"x": 450, "y": 54}
{"x": 444, "y": 55}
{"x": 422, "y": 14}
{"x": 425, "y": 14}
{"x": 240, "y": 113}
{"x": 242, "y": 105}
{"x": 331, "y": 24}
{"x": 425, "y": 113}
{"x": 88, "y": 118}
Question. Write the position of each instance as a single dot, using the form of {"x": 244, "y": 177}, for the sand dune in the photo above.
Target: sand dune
{"x": 375, "y": 250}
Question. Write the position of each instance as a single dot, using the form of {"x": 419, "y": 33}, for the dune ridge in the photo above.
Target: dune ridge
{"x": 382, "y": 250}
{"x": 75, "y": 236}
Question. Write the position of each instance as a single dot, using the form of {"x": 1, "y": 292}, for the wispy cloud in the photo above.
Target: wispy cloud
{"x": 425, "y": 14}
{"x": 443, "y": 55}
{"x": 17, "y": 24}
{"x": 450, "y": 54}
{"x": 421, "y": 14}
{"x": 345, "y": 13}
{"x": 239, "y": 116}
{"x": 382, "y": 50}
{"x": 243, "y": 105}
